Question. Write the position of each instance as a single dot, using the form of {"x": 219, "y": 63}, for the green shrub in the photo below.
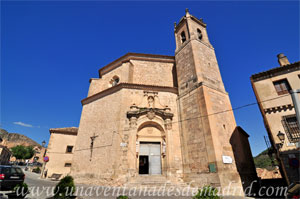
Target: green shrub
{"x": 65, "y": 188}
{"x": 263, "y": 160}
{"x": 208, "y": 192}
{"x": 36, "y": 170}
{"x": 122, "y": 197}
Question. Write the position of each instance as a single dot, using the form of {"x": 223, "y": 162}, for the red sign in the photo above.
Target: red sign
{"x": 46, "y": 159}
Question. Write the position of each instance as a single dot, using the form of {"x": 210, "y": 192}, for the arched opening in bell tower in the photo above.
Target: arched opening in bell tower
{"x": 183, "y": 37}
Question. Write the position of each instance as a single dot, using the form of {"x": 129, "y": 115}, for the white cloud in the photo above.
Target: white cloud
{"x": 23, "y": 124}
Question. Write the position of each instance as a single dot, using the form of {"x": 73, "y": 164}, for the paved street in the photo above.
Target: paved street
{"x": 42, "y": 189}
{"x": 38, "y": 187}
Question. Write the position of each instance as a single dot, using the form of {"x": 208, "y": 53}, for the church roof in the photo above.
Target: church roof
{"x": 65, "y": 130}
{"x": 135, "y": 56}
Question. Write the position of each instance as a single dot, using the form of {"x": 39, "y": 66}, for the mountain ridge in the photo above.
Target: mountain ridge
{"x": 263, "y": 160}
{"x": 13, "y": 139}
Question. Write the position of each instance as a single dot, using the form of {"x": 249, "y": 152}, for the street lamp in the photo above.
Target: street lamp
{"x": 43, "y": 143}
{"x": 281, "y": 136}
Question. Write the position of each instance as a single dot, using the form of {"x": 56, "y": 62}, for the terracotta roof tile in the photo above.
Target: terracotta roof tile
{"x": 67, "y": 130}
{"x": 276, "y": 71}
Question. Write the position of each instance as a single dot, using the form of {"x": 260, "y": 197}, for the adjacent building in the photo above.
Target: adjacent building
{"x": 60, "y": 151}
{"x": 272, "y": 89}
{"x": 5, "y": 155}
{"x": 39, "y": 154}
{"x": 244, "y": 159}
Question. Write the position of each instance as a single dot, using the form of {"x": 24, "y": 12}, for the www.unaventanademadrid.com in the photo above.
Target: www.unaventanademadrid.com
{"x": 158, "y": 191}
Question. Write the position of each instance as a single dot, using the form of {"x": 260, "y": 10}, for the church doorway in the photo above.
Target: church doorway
{"x": 144, "y": 164}
{"x": 150, "y": 158}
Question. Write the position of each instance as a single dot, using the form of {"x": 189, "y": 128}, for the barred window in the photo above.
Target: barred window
{"x": 291, "y": 127}
{"x": 282, "y": 86}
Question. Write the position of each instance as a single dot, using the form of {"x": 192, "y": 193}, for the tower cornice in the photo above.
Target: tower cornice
{"x": 184, "y": 18}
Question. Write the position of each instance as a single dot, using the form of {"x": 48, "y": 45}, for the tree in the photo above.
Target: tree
{"x": 22, "y": 152}
{"x": 29, "y": 152}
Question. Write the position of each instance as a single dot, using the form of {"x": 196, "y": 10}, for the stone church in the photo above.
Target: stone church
{"x": 155, "y": 116}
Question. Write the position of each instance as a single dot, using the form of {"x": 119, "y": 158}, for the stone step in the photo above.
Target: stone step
{"x": 154, "y": 181}
{"x": 150, "y": 179}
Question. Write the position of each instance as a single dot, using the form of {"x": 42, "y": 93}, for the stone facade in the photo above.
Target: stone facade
{"x": 272, "y": 89}
{"x": 167, "y": 117}
{"x": 60, "y": 151}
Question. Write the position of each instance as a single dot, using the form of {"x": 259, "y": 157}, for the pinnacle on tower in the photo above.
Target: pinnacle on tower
{"x": 187, "y": 14}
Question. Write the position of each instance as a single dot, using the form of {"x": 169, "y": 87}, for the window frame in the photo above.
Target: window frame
{"x": 71, "y": 149}
{"x": 68, "y": 164}
{"x": 115, "y": 81}
{"x": 282, "y": 90}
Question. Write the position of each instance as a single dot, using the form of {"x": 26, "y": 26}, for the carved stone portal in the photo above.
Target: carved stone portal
{"x": 150, "y": 107}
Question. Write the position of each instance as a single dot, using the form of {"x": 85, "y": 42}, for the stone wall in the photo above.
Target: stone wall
{"x": 266, "y": 174}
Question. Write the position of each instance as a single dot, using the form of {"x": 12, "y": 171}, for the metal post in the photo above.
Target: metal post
{"x": 296, "y": 102}
{"x": 44, "y": 164}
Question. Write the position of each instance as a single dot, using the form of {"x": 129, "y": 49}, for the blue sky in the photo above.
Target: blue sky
{"x": 50, "y": 50}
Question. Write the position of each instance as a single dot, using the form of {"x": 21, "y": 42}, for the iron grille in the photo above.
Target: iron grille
{"x": 291, "y": 127}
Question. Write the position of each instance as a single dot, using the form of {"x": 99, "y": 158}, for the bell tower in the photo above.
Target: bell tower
{"x": 204, "y": 109}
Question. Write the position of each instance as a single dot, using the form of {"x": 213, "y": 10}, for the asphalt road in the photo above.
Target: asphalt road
{"x": 38, "y": 187}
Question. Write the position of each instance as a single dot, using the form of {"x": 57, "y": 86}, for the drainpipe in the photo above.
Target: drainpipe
{"x": 296, "y": 102}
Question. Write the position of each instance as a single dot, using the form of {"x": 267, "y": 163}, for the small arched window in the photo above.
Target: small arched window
{"x": 183, "y": 37}
{"x": 199, "y": 34}
{"x": 115, "y": 80}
